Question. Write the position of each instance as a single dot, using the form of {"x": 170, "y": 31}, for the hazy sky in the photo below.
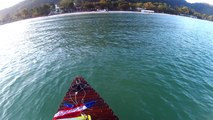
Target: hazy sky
{"x": 201, "y": 1}
{"x": 9, "y": 3}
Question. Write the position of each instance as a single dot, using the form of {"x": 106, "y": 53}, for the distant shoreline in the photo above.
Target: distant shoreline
{"x": 95, "y": 12}
{"x": 109, "y": 12}
{"x": 70, "y": 7}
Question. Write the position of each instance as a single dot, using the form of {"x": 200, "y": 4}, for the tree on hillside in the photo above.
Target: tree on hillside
{"x": 210, "y": 17}
{"x": 140, "y": 5}
{"x": 149, "y": 6}
{"x": 24, "y": 14}
{"x": 7, "y": 18}
{"x": 88, "y": 6}
{"x": 103, "y": 4}
{"x": 183, "y": 10}
{"x": 162, "y": 7}
{"x": 123, "y": 5}
{"x": 112, "y": 4}
{"x": 45, "y": 9}
{"x": 67, "y": 4}
{"x": 1, "y": 20}
{"x": 35, "y": 12}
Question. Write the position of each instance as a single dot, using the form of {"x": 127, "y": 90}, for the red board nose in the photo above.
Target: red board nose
{"x": 80, "y": 92}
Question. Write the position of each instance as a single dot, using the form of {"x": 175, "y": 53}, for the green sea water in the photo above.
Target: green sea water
{"x": 146, "y": 67}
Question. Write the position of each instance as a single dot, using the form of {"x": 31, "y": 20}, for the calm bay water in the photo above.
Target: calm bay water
{"x": 146, "y": 67}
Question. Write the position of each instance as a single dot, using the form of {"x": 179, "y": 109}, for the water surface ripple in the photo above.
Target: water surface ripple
{"x": 148, "y": 67}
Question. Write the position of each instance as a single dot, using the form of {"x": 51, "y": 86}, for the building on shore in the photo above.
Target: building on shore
{"x": 102, "y": 10}
{"x": 56, "y": 10}
{"x": 147, "y": 11}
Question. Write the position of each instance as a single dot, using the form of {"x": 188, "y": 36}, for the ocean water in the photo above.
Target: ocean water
{"x": 146, "y": 67}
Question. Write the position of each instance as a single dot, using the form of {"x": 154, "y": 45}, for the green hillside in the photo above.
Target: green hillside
{"x": 35, "y": 8}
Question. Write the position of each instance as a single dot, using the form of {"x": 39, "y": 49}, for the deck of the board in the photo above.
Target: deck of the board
{"x": 99, "y": 111}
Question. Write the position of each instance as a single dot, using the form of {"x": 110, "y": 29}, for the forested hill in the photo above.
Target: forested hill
{"x": 36, "y": 8}
{"x": 199, "y": 7}
{"x": 171, "y": 2}
{"x": 27, "y": 4}
{"x": 202, "y": 8}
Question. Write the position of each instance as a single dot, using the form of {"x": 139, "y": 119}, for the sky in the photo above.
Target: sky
{"x": 9, "y": 3}
{"x": 201, "y": 1}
